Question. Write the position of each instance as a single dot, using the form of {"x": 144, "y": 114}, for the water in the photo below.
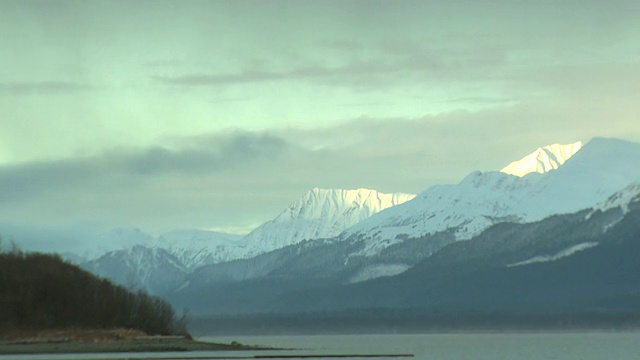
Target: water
{"x": 519, "y": 346}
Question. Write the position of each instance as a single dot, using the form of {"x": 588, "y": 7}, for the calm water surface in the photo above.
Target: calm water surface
{"x": 520, "y": 346}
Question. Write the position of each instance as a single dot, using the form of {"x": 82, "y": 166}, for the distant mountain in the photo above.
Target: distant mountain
{"x": 320, "y": 213}
{"x": 543, "y": 160}
{"x": 160, "y": 264}
{"x": 140, "y": 267}
{"x": 194, "y": 248}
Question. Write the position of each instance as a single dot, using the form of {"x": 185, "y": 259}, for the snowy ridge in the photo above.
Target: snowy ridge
{"x": 480, "y": 200}
{"x": 141, "y": 258}
{"x": 621, "y": 199}
{"x": 320, "y": 213}
{"x": 139, "y": 267}
{"x": 199, "y": 247}
{"x": 542, "y": 160}
{"x": 483, "y": 199}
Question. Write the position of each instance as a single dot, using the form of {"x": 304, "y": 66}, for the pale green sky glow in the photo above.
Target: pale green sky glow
{"x": 323, "y": 93}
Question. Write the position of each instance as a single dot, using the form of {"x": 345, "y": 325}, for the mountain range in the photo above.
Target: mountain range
{"x": 421, "y": 253}
{"x": 584, "y": 261}
{"x": 157, "y": 264}
{"x": 528, "y": 239}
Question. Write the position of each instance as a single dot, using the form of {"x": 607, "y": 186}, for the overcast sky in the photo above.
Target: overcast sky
{"x": 219, "y": 114}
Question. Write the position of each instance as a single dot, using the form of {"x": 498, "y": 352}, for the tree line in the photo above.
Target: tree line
{"x": 42, "y": 291}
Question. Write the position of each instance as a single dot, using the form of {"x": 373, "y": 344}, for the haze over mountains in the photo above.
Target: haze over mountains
{"x": 552, "y": 215}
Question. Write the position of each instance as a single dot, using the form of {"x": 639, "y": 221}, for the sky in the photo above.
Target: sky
{"x": 219, "y": 114}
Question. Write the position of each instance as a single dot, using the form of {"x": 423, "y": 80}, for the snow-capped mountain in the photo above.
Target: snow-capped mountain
{"x": 199, "y": 247}
{"x": 590, "y": 176}
{"x": 320, "y": 213}
{"x": 141, "y": 267}
{"x": 543, "y": 160}
{"x": 160, "y": 263}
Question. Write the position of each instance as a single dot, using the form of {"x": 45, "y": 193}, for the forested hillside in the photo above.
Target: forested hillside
{"x": 39, "y": 291}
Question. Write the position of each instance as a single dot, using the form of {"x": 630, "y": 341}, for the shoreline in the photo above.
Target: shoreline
{"x": 73, "y": 347}
{"x": 110, "y": 341}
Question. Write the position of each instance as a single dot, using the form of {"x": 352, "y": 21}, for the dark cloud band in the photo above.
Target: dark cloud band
{"x": 42, "y": 87}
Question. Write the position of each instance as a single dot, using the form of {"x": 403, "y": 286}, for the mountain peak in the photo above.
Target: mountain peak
{"x": 318, "y": 199}
{"x": 321, "y": 213}
{"x": 543, "y": 160}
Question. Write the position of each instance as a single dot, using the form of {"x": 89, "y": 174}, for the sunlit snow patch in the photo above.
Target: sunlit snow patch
{"x": 379, "y": 270}
{"x": 543, "y": 160}
{"x": 562, "y": 254}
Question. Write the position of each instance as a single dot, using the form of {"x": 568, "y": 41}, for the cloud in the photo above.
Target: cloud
{"x": 389, "y": 64}
{"x": 255, "y": 76}
{"x": 205, "y": 156}
{"x": 224, "y": 179}
{"x": 42, "y": 87}
{"x": 217, "y": 153}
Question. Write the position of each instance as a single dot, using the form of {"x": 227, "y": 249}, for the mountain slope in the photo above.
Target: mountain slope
{"x": 152, "y": 269}
{"x": 195, "y": 248}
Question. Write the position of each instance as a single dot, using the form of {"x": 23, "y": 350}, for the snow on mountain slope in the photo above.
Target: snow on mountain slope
{"x": 141, "y": 267}
{"x": 161, "y": 263}
{"x": 621, "y": 199}
{"x": 542, "y": 160}
{"x": 560, "y": 255}
{"x": 199, "y": 247}
{"x": 601, "y": 168}
{"x": 320, "y": 214}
